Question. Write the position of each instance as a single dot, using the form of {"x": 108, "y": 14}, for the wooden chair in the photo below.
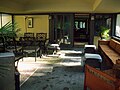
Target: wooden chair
{"x": 41, "y": 39}
{"x": 98, "y": 80}
{"x": 41, "y": 36}
{"x": 94, "y": 60}
{"x": 28, "y": 34}
{"x": 89, "y": 49}
{"x": 29, "y": 45}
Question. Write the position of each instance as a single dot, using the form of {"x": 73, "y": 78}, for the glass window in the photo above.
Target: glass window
{"x": 117, "y": 31}
{"x": 79, "y": 24}
{"x": 6, "y": 18}
{"x": 76, "y": 24}
{"x": 83, "y": 24}
{"x": 0, "y": 20}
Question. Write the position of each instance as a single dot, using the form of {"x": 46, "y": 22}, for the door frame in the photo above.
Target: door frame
{"x": 53, "y": 27}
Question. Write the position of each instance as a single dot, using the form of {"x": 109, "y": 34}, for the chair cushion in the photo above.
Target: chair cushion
{"x": 93, "y": 56}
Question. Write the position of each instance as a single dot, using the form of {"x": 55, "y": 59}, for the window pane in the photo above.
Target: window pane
{"x": 0, "y": 21}
{"x": 83, "y": 24}
{"x": 76, "y": 24}
{"x": 117, "y": 31}
{"x": 6, "y": 18}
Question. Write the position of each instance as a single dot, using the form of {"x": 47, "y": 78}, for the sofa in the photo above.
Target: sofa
{"x": 109, "y": 50}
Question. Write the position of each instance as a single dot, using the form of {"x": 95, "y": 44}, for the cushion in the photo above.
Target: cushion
{"x": 93, "y": 56}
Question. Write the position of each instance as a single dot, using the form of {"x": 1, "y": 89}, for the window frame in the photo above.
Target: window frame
{"x": 115, "y": 36}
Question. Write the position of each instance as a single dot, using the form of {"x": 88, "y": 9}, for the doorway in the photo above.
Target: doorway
{"x": 81, "y": 28}
{"x": 67, "y": 29}
{"x": 61, "y": 29}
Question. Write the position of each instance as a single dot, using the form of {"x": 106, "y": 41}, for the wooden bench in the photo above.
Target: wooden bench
{"x": 109, "y": 50}
{"x": 98, "y": 80}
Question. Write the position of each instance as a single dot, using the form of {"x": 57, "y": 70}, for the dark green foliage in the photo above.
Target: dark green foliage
{"x": 9, "y": 29}
{"x": 104, "y": 32}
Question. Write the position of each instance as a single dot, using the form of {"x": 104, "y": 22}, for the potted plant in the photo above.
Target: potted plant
{"x": 8, "y": 30}
{"x": 104, "y": 33}
{"x": 7, "y": 65}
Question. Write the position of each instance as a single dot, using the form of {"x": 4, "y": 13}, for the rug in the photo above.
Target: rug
{"x": 26, "y": 70}
{"x": 61, "y": 78}
{"x": 53, "y": 73}
{"x": 27, "y": 67}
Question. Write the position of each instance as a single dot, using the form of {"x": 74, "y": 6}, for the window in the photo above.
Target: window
{"x": 82, "y": 24}
{"x": 79, "y": 24}
{"x": 117, "y": 31}
{"x": 5, "y": 18}
{"x": 76, "y": 24}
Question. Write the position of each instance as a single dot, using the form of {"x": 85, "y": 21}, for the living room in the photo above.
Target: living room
{"x": 62, "y": 21}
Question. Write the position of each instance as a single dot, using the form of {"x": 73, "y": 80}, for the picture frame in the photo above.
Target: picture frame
{"x": 30, "y": 22}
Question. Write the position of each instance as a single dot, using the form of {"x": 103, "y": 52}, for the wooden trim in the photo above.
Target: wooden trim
{"x": 98, "y": 80}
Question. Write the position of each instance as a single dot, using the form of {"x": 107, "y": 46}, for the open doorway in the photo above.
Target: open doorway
{"x": 81, "y": 28}
{"x": 68, "y": 29}
{"x": 61, "y": 29}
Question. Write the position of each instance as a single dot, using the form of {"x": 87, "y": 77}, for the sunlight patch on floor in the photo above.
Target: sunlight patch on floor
{"x": 68, "y": 51}
{"x": 71, "y": 62}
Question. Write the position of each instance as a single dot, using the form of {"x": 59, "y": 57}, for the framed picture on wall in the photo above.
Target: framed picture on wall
{"x": 30, "y": 22}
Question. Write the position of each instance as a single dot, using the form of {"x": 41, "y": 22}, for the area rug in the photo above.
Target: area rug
{"x": 53, "y": 73}
{"x": 27, "y": 67}
{"x": 26, "y": 70}
{"x": 61, "y": 78}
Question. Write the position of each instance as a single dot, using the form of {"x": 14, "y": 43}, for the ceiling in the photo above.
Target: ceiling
{"x": 48, "y": 6}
